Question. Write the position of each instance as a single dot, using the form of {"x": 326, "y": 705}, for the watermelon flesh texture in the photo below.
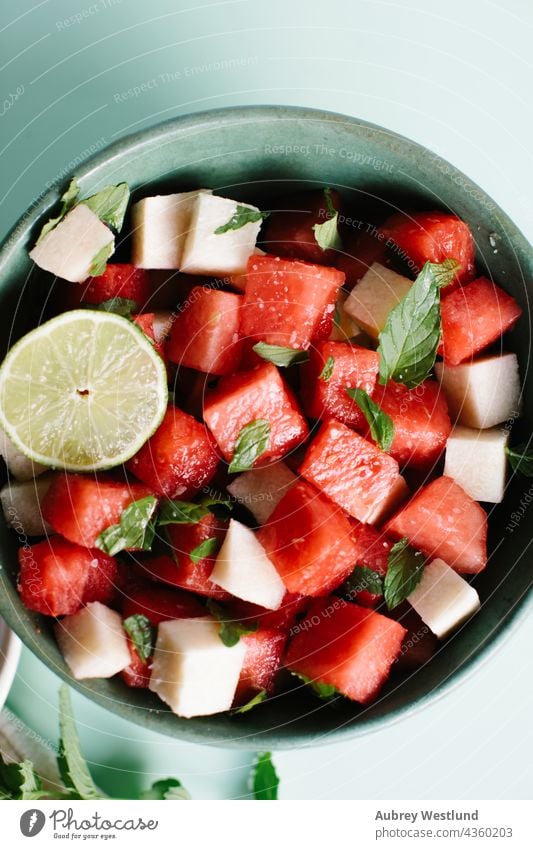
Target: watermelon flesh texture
{"x": 288, "y": 230}
{"x": 264, "y": 651}
{"x": 373, "y": 549}
{"x": 119, "y": 280}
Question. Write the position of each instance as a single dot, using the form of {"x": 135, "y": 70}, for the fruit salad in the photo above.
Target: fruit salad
{"x": 256, "y": 453}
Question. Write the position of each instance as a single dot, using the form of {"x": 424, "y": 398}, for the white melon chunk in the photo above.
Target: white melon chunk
{"x": 345, "y": 328}
{"x": 443, "y": 599}
{"x": 21, "y": 503}
{"x": 19, "y": 466}
{"x": 162, "y": 324}
{"x": 160, "y": 227}
{"x": 483, "y": 393}
{"x": 244, "y": 570}
{"x": 477, "y": 461}
{"x": 377, "y": 293}
{"x": 398, "y": 493}
{"x": 217, "y": 254}
{"x": 93, "y": 642}
{"x": 193, "y": 671}
{"x": 69, "y": 250}
{"x": 261, "y": 490}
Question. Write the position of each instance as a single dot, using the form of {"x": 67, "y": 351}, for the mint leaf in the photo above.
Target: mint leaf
{"x": 337, "y": 321}
{"x": 363, "y": 578}
{"x": 68, "y": 200}
{"x": 279, "y": 355}
{"x": 250, "y": 444}
{"x": 243, "y": 215}
{"x": 259, "y": 697}
{"x": 319, "y": 688}
{"x": 181, "y": 513}
{"x": 380, "y": 423}
{"x": 167, "y": 788}
{"x": 327, "y": 371}
{"x": 404, "y": 571}
{"x": 205, "y": 549}
{"x": 98, "y": 265}
{"x": 327, "y": 234}
{"x": 110, "y": 205}
{"x": 120, "y": 306}
{"x": 142, "y": 634}
{"x": 72, "y": 766}
{"x": 408, "y": 343}
{"x": 264, "y": 781}
{"x": 521, "y": 459}
{"x": 19, "y": 781}
{"x": 230, "y": 630}
{"x": 134, "y": 529}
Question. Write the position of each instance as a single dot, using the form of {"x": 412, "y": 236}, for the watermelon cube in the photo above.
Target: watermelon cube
{"x": 281, "y": 619}
{"x": 205, "y": 334}
{"x": 137, "y": 673}
{"x": 474, "y": 317}
{"x": 421, "y": 422}
{"x": 353, "y": 472}
{"x": 264, "y": 650}
{"x": 326, "y": 396}
{"x": 178, "y": 459}
{"x": 57, "y": 577}
{"x": 146, "y": 321}
{"x": 258, "y": 394}
{"x": 286, "y": 300}
{"x": 346, "y": 646}
{"x": 372, "y": 552}
{"x": 309, "y": 541}
{"x": 119, "y": 280}
{"x": 80, "y": 507}
{"x": 289, "y": 228}
{"x": 158, "y": 604}
{"x": 444, "y": 522}
{"x": 422, "y": 237}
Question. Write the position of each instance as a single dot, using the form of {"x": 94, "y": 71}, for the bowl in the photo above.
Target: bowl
{"x": 10, "y": 647}
{"x": 251, "y": 153}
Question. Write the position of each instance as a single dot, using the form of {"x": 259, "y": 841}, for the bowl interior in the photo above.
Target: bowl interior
{"x": 253, "y": 154}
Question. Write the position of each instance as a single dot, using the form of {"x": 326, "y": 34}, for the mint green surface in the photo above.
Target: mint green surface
{"x": 385, "y": 63}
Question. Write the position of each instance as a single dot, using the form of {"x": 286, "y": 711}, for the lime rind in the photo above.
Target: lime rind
{"x": 82, "y": 392}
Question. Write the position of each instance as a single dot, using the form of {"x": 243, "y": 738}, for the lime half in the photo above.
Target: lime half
{"x": 83, "y": 391}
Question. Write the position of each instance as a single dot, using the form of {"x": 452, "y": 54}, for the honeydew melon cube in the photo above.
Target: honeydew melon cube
{"x": 377, "y": 293}
{"x": 483, "y": 393}
{"x": 193, "y": 671}
{"x": 443, "y": 599}
{"x": 217, "y": 254}
{"x": 477, "y": 461}
{"x": 261, "y": 490}
{"x": 21, "y": 503}
{"x": 160, "y": 227}
{"x": 93, "y": 642}
{"x": 244, "y": 570}
{"x": 345, "y": 328}
{"x": 398, "y": 493}
{"x": 69, "y": 250}
{"x": 19, "y": 466}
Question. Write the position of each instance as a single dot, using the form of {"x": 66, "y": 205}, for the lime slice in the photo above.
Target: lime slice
{"x": 83, "y": 391}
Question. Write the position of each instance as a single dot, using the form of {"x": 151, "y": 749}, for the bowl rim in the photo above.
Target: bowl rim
{"x": 271, "y": 738}
{"x": 10, "y": 650}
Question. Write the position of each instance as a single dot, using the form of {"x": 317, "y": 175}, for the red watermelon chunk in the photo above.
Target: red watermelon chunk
{"x": 442, "y": 520}
{"x": 285, "y": 300}
{"x": 158, "y": 604}
{"x": 281, "y": 619}
{"x": 353, "y": 367}
{"x": 205, "y": 333}
{"x": 353, "y": 472}
{"x": 431, "y": 237}
{"x": 80, "y": 507}
{"x": 145, "y": 321}
{"x": 421, "y": 422}
{"x": 119, "y": 280}
{"x": 264, "y": 650}
{"x": 346, "y": 646}
{"x": 289, "y": 228}
{"x": 138, "y": 673}
{"x": 372, "y": 552}
{"x": 58, "y": 577}
{"x": 258, "y": 394}
{"x": 178, "y": 459}
{"x": 309, "y": 541}
{"x": 474, "y": 317}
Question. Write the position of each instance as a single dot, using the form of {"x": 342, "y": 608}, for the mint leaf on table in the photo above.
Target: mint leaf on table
{"x": 110, "y": 205}
{"x": 327, "y": 234}
{"x": 404, "y": 571}
{"x": 242, "y": 216}
{"x": 319, "y": 688}
{"x": 327, "y": 371}
{"x": 259, "y": 697}
{"x": 19, "y": 781}
{"x": 408, "y": 343}
{"x": 250, "y": 444}
{"x": 521, "y": 459}
{"x": 230, "y": 630}
{"x": 206, "y": 549}
{"x": 68, "y": 200}
{"x": 363, "y": 578}
{"x": 167, "y": 788}
{"x": 264, "y": 781}
{"x": 141, "y": 633}
{"x": 380, "y": 423}
{"x": 120, "y": 306}
{"x": 280, "y": 356}
{"x": 134, "y": 530}
{"x": 72, "y": 766}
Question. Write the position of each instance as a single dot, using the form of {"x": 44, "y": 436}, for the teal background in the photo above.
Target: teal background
{"x": 455, "y": 77}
